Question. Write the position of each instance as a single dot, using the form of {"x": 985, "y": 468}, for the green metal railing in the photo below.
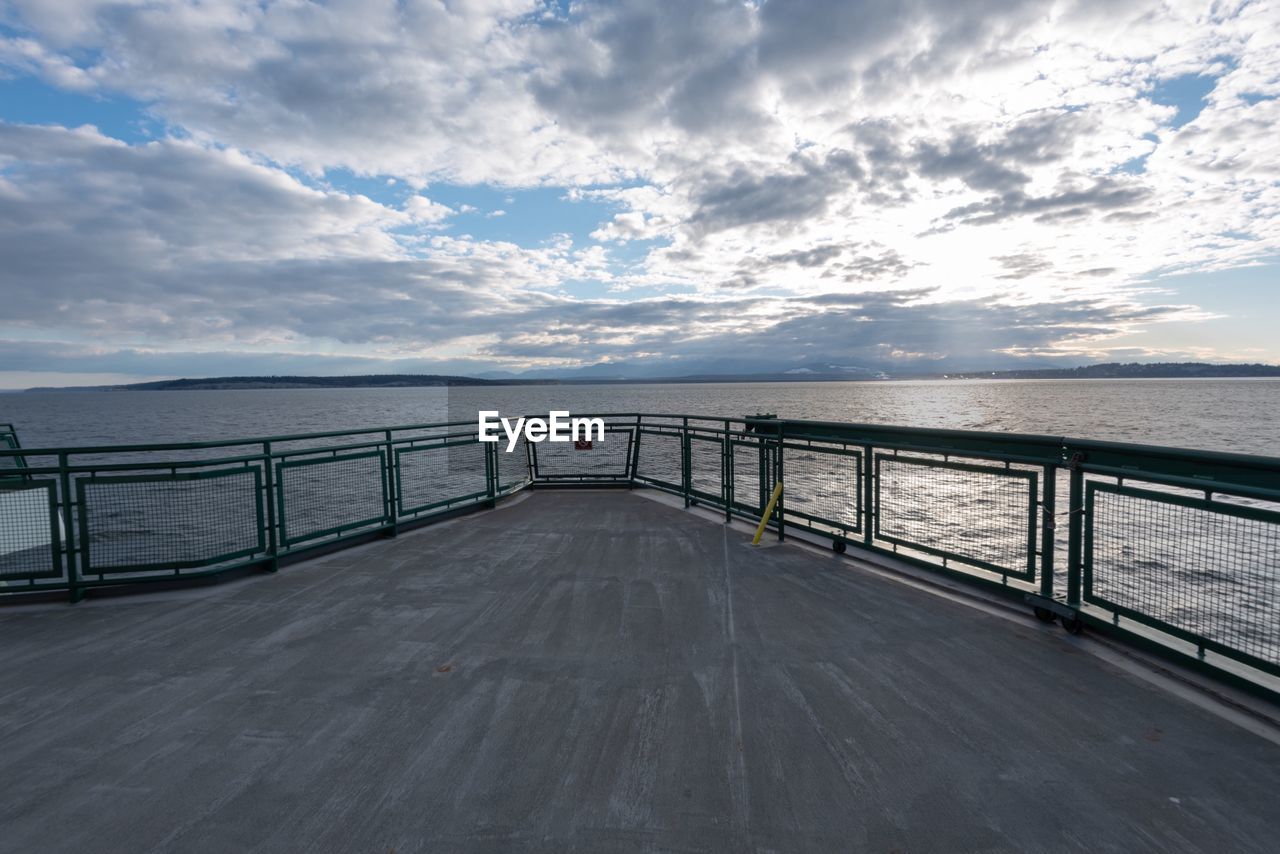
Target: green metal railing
{"x": 1173, "y": 549}
{"x": 9, "y": 442}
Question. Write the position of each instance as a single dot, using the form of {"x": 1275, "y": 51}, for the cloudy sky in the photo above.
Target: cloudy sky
{"x": 218, "y": 187}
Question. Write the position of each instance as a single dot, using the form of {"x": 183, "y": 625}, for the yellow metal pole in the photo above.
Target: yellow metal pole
{"x": 768, "y": 511}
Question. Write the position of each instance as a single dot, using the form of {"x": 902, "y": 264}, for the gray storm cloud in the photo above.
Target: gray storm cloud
{"x": 881, "y": 184}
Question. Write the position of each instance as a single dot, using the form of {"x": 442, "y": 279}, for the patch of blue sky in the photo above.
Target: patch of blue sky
{"x": 552, "y": 11}
{"x": 633, "y": 252}
{"x": 1247, "y": 300}
{"x": 627, "y": 259}
{"x": 380, "y": 188}
{"x": 1252, "y": 291}
{"x": 1138, "y": 165}
{"x": 1186, "y": 93}
{"x": 1252, "y": 98}
{"x": 44, "y": 333}
{"x": 526, "y": 217}
{"x": 1134, "y": 166}
{"x": 529, "y": 218}
{"x": 27, "y": 100}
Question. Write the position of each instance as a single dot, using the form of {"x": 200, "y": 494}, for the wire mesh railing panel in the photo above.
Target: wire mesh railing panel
{"x": 599, "y": 459}
{"x": 748, "y": 457}
{"x": 322, "y": 496}
{"x": 706, "y": 464}
{"x": 824, "y": 485}
{"x": 983, "y": 516}
{"x": 1206, "y": 570}
{"x": 30, "y": 531}
{"x": 146, "y": 522}
{"x": 513, "y": 466}
{"x": 660, "y": 459}
{"x": 435, "y": 476}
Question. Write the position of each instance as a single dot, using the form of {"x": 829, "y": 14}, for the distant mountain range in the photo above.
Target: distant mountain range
{"x": 1130, "y": 370}
{"x": 829, "y": 373}
{"x": 366, "y": 381}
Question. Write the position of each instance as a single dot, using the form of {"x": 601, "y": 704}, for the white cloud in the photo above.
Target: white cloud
{"x": 173, "y": 241}
{"x": 985, "y": 151}
{"x": 632, "y": 225}
{"x": 424, "y": 211}
{"x": 29, "y": 56}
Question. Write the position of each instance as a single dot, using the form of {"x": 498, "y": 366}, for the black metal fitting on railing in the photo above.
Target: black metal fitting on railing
{"x": 273, "y": 546}
{"x": 390, "y": 484}
{"x": 758, "y": 423}
{"x": 1075, "y": 502}
{"x": 1048, "y": 506}
{"x": 74, "y": 591}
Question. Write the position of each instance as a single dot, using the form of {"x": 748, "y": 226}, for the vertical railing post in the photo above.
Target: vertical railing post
{"x": 390, "y": 482}
{"x": 1075, "y": 542}
{"x": 1048, "y": 529}
{"x": 490, "y": 472}
{"x": 686, "y": 465}
{"x": 634, "y": 462}
{"x": 75, "y": 592}
{"x": 726, "y": 474}
{"x": 273, "y": 549}
{"x": 782, "y": 535}
{"x": 869, "y": 509}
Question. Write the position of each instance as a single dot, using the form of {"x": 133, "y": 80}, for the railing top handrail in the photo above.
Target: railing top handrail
{"x": 1099, "y": 452}
{"x": 231, "y": 443}
{"x": 925, "y": 432}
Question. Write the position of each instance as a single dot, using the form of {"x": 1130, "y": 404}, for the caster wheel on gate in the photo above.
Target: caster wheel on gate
{"x": 1073, "y": 625}
{"x": 1044, "y": 615}
{"x": 838, "y": 546}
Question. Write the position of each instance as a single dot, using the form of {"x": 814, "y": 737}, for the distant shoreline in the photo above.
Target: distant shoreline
{"x": 1171, "y": 370}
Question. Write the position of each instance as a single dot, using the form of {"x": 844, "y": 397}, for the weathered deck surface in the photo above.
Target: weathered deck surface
{"x": 595, "y": 672}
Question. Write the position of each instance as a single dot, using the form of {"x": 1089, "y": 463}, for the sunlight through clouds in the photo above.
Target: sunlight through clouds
{"x": 771, "y": 186}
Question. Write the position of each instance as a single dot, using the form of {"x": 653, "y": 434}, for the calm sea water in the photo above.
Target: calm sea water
{"x": 1227, "y": 415}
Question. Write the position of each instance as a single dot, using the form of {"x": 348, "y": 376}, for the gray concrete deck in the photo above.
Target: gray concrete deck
{"x": 596, "y": 672}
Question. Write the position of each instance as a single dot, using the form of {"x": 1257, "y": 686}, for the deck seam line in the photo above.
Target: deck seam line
{"x": 741, "y": 795}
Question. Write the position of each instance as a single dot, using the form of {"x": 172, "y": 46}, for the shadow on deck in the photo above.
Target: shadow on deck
{"x": 596, "y": 671}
